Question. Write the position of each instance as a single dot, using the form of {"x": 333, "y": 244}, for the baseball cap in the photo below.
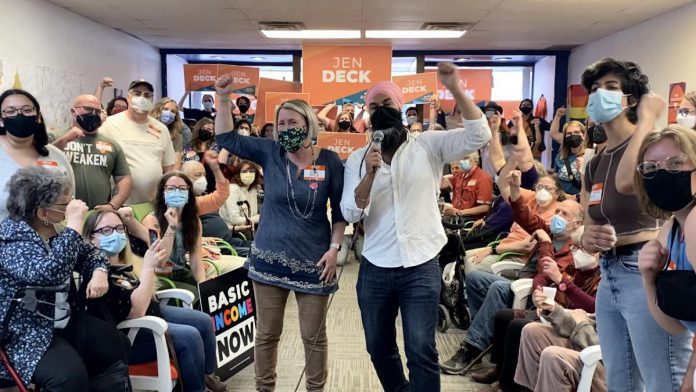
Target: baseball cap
{"x": 141, "y": 82}
{"x": 493, "y": 105}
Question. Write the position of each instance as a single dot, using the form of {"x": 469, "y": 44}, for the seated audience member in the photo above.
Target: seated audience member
{"x": 266, "y": 131}
{"x": 544, "y": 201}
{"x": 191, "y": 333}
{"x": 116, "y": 105}
{"x": 488, "y": 293}
{"x": 416, "y": 128}
{"x": 24, "y": 141}
{"x": 664, "y": 185}
{"x": 549, "y": 356}
{"x": 167, "y": 112}
{"x": 569, "y": 160}
{"x": 241, "y": 212}
{"x": 145, "y": 141}
{"x": 243, "y": 127}
{"x": 96, "y": 160}
{"x": 33, "y": 253}
{"x": 472, "y": 189}
{"x": 176, "y": 221}
{"x": 208, "y": 111}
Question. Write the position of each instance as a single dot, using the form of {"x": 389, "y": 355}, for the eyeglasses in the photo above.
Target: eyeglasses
{"x": 648, "y": 169}
{"x": 12, "y": 111}
{"x": 124, "y": 107}
{"x": 548, "y": 188}
{"x": 685, "y": 111}
{"x": 88, "y": 110}
{"x": 107, "y": 230}
{"x": 138, "y": 93}
{"x": 172, "y": 188}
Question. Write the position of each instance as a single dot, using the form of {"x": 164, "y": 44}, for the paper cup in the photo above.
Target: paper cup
{"x": 550, "y": 294}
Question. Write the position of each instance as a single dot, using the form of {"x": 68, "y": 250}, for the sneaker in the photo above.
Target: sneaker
{"x": 456, "y": 365}
{"x": 214, "y": 383}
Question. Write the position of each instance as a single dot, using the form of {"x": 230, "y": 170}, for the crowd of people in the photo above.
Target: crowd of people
{"x": 603, "y": 233}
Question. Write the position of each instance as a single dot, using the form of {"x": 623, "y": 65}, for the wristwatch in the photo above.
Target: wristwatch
{"x": 336, "y": 246}
{"x": 494, "y": 249}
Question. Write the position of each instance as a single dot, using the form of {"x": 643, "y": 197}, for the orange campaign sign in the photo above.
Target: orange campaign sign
{"x": 275, "y": 99}
{"x": 477, "y": 85}
{"x": 418, "y": 88}
{"x": 676, "y": 95}
{"x": 202, "y": 77}
{"x": 342, "y": 143}
{"x": 343, "y": 72}
{"x": 275, "y": 85}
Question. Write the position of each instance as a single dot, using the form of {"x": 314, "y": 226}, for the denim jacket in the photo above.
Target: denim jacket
{"x": 26, "y": 261}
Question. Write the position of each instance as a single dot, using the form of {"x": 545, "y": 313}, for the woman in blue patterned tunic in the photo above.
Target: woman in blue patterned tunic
{"x": 33, "y": 254}
{"x": 296, "y": 245}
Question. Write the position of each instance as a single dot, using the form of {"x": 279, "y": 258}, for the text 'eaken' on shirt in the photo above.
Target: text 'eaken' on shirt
{"x": 148, "y": 148}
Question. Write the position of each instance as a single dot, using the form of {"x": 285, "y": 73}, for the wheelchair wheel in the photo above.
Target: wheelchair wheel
{"x": 443, "y": 318}
{"x": 461, "y": 317}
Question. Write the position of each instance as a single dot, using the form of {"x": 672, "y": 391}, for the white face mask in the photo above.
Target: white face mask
{"x": 686, "y": 120}
{"x": 243, "y": 132}
{"x": 199, "y": 186}
{"x": 543, "y": 197}
{"x": 141, "y": 104}
{"x": 583, "y": 260}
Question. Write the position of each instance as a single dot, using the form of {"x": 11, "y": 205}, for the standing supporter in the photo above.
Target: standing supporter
{"x": 500, "y": 140}
{"x": 416, "y": 128}
{"x": 344, "y": 122}
{"x": 208, "y": 111}
{"x": 202, "y": 140}
{"x": 145, "y": 141}
{"x": 243, "y": 105}
{"x": 243, "y": 127}
{"x": 664, "y": 186}
{"x": 437, "y": 117}
{"x": 167, "y": 112}
{"x": 103, "y": 84}
{"x": 569, "y": 160}
{"x": 266, "y": 131}
{"x": 686, "y": 114}
{"x": 96, "y": 160}
{"x": 399, "y": 271}
{"x": 472, "y": 190}
{"x": 116, "y": 105}
{"x": 296, "y": 246}
{"x": 359, "y": 123}
{"x": 636, "y": 352}
{"x": 411, "y": 116}
{"x": 24, "y": 141}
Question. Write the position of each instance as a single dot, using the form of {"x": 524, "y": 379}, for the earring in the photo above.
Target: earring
{"x": 46, "y": 223}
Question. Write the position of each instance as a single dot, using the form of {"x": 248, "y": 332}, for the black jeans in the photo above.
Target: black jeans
{"x": 61, "y": 369}
{"x": 507, "y": 332}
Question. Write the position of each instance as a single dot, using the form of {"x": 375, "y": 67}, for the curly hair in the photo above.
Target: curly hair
{"x": 32, "y": 188}
{"x": 112, "y": 103}
{"x": 41, "y": 135}
{"x": 633, "y": 81}
{"x": 177, "y": 126}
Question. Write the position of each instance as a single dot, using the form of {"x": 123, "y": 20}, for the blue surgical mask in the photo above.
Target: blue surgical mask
{"x": 176, "y": 198}
{"x": 167, "y": 118}
{"x": 465, "y": 165}
{"x": 605, "y": 105}
{"x": 558, "y": 224}
{"x": 113, "y": 243}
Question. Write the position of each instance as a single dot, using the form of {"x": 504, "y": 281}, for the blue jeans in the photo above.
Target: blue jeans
{"x": 487, "y": 294}
{"x": 415, "y": 291}
{"x": 637, "y": 353}
{"x": 193, "y": 338}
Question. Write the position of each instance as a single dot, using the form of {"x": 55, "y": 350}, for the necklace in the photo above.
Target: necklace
{"x": 311, "y": 192}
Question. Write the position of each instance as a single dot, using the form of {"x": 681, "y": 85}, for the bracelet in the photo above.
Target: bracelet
{"x": 225, "y": 98}
{"x": 168, "y": 234}
{"x": 112, "y": 206}
{"x": 102, "y": 269}
{"x": 494, "y": 249}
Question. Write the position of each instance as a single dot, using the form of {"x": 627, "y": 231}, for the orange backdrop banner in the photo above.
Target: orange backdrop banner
{"x": 343, "y": 72}
{"x": 275, "y": 85}
{"x": 275, "y": 99}
{"x": 477, "y": 84}
{"x": 202, "y": 77}
{"x": 676, "y": 94}
{"x": 343, "y": 143}
{"x": 417, "y": 88}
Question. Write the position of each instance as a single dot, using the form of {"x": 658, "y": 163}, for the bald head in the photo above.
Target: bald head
{"x": 573, "y": 208}
{"x": 193, "y": 170}
{"x": 87, "y": 100}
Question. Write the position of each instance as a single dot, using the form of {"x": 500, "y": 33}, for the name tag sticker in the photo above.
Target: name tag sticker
{"x": 471, "y": 183}
{"x": 596, "y": 195}
{"x": 315, "y": 173}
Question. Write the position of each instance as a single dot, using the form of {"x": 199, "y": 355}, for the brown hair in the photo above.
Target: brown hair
{"x": 190, "y": 224}
{"x": 236, "y": 171}
{"x": 176, "y": 128}
{"x": 565, "y": 150}
{"x": 195, "y": 134}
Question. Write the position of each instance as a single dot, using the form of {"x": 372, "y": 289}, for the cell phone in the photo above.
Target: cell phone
{"x": 153, "y": 236}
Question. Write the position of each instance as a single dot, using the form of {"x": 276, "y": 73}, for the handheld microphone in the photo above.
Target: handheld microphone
{"x": 377, "y": 138}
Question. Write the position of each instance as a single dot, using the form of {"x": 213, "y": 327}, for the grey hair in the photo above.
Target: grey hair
{"x": 32, "y": 188}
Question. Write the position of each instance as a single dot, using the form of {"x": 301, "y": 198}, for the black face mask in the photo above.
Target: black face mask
{"x": 669, "y": 191}
{"x": 526, "y": 110}
{"x": 388, "y": 120}
{"x": 344, "y": 125}
{"x": 204, "y": 136}
{"x": 505, "y": 138}
{"x": 89, "y": 122}
{"x": 22, "y": 126}
{"x": 573, "y": 141}
{"x": 243, "y": 107}
{"x": 671, "y": 288}
{"x": 599, "y": 135}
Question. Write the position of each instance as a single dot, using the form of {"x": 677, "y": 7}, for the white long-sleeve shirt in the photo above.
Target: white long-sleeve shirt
{"x": 403, "y": 227}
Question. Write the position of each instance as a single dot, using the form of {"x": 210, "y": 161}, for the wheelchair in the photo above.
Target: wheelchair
{"x": 453, "y": 309}
{"x": 27, "y": 299}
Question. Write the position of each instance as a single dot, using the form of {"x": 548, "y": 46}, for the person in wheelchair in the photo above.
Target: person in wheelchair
{"x": 34, "y": 253}
{"x": 471, "y": 188}
{"x": 191, "y": 331}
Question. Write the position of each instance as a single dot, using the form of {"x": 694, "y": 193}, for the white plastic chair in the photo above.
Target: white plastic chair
{"x": 521, "y": 288}
{"x": 590, "y": 357}
{"x": 501, "y": 266}
{"x": 163, "y": 382}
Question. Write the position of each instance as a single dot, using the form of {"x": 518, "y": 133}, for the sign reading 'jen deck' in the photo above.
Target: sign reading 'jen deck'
{"x": 229, "y": 300}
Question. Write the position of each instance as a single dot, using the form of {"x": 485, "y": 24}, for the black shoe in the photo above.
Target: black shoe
{"x": 460, "y": 360}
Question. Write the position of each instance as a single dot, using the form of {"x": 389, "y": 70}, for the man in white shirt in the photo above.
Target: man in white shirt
{"x": 146, "y": 142}
{"x": 395, "y": 190}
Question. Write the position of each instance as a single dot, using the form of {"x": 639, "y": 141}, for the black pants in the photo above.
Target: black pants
{"x": 61, "y": 369}
{"x": 215, "y": 226}
{"x": 480, "y": 238}
{"x": 507, "y": 332}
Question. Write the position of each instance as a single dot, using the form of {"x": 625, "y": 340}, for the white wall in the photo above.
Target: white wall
{"x": 175, "y": 77}
{"x": 662, "y": 46}
{"x": 544, "y": 84}
{"x": 59, "y": 54}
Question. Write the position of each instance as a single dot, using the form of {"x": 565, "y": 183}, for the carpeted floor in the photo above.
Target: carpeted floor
{"x": 350, "y": 369}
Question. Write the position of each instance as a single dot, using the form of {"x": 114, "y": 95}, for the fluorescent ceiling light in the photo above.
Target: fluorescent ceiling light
{"x": 502, "y": 58}
{"x": 258, "y": 58}
{"x": 414, "y": 34}
{"x": 311, "y": 34}
{"x": 462, "y": 59}
{"x": 217, "y": 57}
